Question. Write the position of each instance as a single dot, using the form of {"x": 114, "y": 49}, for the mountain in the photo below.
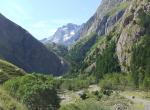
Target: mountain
{"x": 20, "y": 48}
{"x": 64, "y": 35}
{"x": 101, "y": 23}
{"x": 115, "y": 39}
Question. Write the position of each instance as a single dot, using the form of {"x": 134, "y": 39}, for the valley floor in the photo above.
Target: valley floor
{"x": 136, "y": 100}
{"x": 71, "y": 96}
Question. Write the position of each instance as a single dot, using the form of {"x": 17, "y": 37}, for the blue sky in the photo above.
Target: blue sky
{"x": 42, "y": 17}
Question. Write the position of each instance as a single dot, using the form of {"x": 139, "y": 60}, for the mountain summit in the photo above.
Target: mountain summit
{"x": 64, "y": 35}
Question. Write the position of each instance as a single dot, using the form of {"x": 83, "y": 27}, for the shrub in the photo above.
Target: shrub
{"x": 98, "y": 94}
{"x": 107, "y": 92}
{"x": 36, "y": 91}
{"x": 115, "y": 81}
{"x": 83, "y": 96}
{"x": 144, "y": 21}
{"x": 146, "y": 83}
{"x": 77, "y": 83}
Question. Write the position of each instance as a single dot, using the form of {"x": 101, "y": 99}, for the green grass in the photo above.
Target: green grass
{"x": 84, "y": 105}
{"x": 138, "y": 94}
{"x": 8, "y": 71}
{"x": 118, "y": 8}
{"x": 9, "y": 103}
{"x": 138, "y": 107}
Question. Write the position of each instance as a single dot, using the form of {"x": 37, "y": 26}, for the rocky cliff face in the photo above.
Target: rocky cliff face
{"x": 22, "y": 49}
{"x": 123, "y": 22}
{"x": 131, "y": 32}
{"x": 105, "y": 17}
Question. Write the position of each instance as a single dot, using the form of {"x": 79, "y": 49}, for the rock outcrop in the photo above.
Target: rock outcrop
{"x": 131, "y": 33}
{"x": 105, "y": 17}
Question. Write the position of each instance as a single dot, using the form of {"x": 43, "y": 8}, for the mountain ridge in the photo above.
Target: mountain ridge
{"x": 20, "y": 48}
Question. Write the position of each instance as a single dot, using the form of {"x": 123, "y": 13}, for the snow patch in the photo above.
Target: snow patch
{"x": 72, "y": 33}
{"x": 66, "y": 37}
{"x": 65, "y": 29}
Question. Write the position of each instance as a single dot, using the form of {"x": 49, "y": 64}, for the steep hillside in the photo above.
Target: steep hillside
{"x": 125, "y": 48}
{"x": 64, "y": 35}
{"x": 9, "y": 71}
{"x": 22, "y": 49}
{"x": 101, "y": 23}
{"x": 60, "y": 50}
{"x": 134, "y": 36}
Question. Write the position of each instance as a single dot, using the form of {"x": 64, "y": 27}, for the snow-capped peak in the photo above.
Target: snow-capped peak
{"x": 64, "y": 34}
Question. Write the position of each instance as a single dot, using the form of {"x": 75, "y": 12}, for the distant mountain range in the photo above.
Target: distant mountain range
{"x": 65, "y": 35}
{"x": 20, "y": 48}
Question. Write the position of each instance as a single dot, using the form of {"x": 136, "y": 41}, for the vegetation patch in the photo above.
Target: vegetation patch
{"x": 118, "y": 8}
{"x": 79, "y": 50}
{"x": 116, "y": 81}
{"x": 77, "y": 83}
{"x": 60, "y": 50}
{"x": 9, "y": 103}
{"x": 84, "y": 105}
{"x": 36, "y": 91}
{"x": 140, "y": 62}
{"x": 8, "y": 71}
{"x": 107, "y": 61}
